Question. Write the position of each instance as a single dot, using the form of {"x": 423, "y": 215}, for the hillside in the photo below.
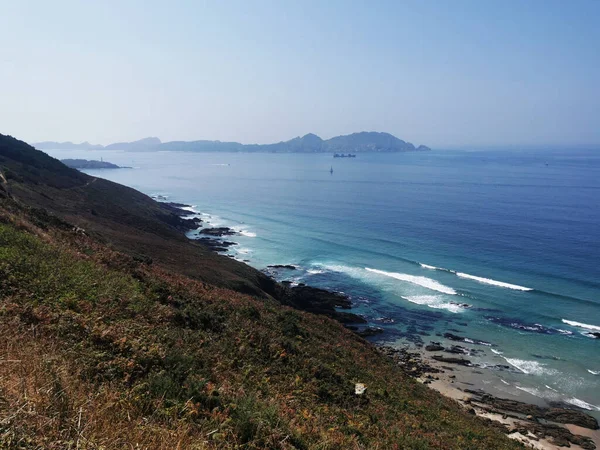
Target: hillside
{"x": 310, "y": 143}
{"x": 109, "y": 342}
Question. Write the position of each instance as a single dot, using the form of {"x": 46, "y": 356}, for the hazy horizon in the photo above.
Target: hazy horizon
{"x": 465, "y": 74}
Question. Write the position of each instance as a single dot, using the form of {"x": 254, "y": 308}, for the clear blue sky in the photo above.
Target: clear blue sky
{"x": 442, "y": 73}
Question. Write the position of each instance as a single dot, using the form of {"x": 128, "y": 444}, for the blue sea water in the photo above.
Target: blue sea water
{"x": 413, "y": 237}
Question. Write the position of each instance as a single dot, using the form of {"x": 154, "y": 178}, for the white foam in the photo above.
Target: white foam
{"x": 594, "y": 372}
{"x": 434, "y": 301}
{"x": 581, "y": 325}
{"x": 243, "y": 251}
{"x": 551, "y": 388}
{"x": 420, "y": 281}
{"x": 190, "y": 209}
{"x": 581, "y": 404}
{"x": 314, "y": 271}
{"x": 427, "y": 266}
{"x": 497, "y": 352}
{"x": 529, "y": 367}
{"x": 531, "y": 391}
{"x": 247, "y": 233}
{"x": 505, "y": 382}
{"x": 493, "y": 282}
{"x": 590, "y": 334}
{"x": 212, "y": 220}
{"x": 567, "y": 332}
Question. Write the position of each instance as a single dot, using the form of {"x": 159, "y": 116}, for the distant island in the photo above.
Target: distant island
{"x": 365, "y": 141}
{"x": 90, "y": 164}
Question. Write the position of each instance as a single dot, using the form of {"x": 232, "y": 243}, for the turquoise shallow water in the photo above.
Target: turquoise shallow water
{"x": 412, "y": 237}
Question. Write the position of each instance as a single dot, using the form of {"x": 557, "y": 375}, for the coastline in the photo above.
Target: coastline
{"x": 526, "y": 418}
{"x": 444, "y": 369}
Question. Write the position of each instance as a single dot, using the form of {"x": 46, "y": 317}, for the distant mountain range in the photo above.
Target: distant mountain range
{"x": 311, "y": 143}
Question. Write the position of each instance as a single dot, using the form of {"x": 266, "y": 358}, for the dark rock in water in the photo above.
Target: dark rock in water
{"x": 451, "y": 360}
{"x": 216, "y": 245}
{"x": 457, "y": 350}
{"x": 500, "y": 368}
{"x": 556, "y": 413}
{"x": 177, "y": 208}
{"x": 369, "y": 331}
{"x": 410, "y": 363}
{"x": 218, "y": 232}
{"x": 176, "y": 218}
{"x": 385, "y": 320}
{"x": 434, "y": 347}
{"x": 179, "y": 205}
{"x": 283, "y": 266}
{"x": 455, "y": 337}
{"x": 595, "y": 334}
{"x": 462, "y": 305}
{"x": 320, "y": 301}
{"x": 518, "y": 324}
{"x": 554, "y": 358}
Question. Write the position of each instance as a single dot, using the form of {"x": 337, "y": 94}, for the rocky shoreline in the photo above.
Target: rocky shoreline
{"x": 536, "y": 426}
{"x": 435, "y": 365}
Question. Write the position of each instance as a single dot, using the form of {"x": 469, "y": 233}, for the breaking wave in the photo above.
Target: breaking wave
{"x": 315, "y": 271}
{"x": 478, "y": 279}
{"x": 529, "y": 367}
{"x": 581, "y": 404}
{"x": 493, "y": 282}
{"x": 420, "y": 281}
{"x": 581, "y": 325}
{"x": 532, "y": 391}
{"x": 434, "y": 301}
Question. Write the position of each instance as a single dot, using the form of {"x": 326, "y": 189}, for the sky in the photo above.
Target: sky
{"x": 447, "y": 74}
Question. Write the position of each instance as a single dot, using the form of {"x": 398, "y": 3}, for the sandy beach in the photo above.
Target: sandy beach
{"x": 459, "y": 382}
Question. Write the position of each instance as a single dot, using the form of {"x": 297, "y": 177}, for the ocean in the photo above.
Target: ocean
{"x": 501, "y": 248}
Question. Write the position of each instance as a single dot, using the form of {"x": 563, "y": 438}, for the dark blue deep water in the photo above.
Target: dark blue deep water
{"x": 414, "y": 237}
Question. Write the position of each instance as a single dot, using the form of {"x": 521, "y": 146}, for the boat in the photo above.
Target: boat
{"x": 331, "y": 170}
{"x": 342, "y": 155}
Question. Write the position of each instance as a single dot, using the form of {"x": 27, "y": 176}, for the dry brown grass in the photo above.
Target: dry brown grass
{"x": 43, "y": 404}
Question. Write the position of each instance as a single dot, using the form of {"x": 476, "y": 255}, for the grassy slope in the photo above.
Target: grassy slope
{"x": 100, "y": 351}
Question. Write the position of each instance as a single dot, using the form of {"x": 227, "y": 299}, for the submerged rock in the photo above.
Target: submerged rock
{"x": 320, "y": 301}
{"x": 369, "y": 331}
{"x": 282, "y": 266}
{"x": 216, "y": 245}
{"x": 218, "y": 232}
{"x": 434, "y": 347}
{"x": 452, "y": 360}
